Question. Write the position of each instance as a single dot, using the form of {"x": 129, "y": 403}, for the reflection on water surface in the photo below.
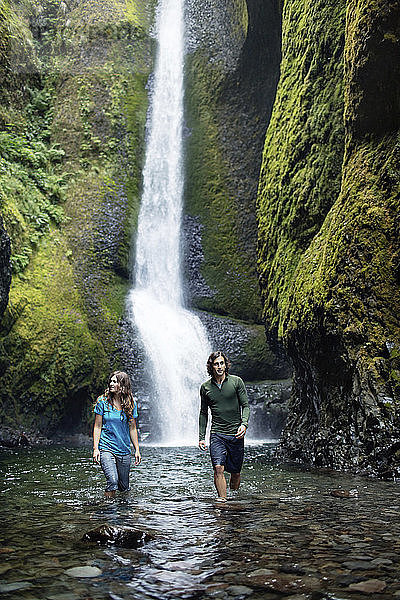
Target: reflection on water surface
{"x": 286, "y": 534}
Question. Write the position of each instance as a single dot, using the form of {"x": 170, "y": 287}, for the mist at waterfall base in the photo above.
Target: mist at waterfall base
{"x": 175, "y": 341}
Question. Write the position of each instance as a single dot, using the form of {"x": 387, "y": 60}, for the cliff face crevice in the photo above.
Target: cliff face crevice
{"x": 5, "y": 268}
{"x": 333, "y": 293}
{"x": 259, "y": 62}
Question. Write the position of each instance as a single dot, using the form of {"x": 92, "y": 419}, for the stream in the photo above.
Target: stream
{"x": 287, "y": 533}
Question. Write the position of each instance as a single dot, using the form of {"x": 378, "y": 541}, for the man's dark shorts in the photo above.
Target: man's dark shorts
{"x": 227, "y": 450}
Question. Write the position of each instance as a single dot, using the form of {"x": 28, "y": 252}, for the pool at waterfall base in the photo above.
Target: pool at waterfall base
{"x": 288, "y": 533}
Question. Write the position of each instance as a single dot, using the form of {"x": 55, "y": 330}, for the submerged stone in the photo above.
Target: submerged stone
{"x": 356, "y": 565}
{"x": 124, "y": 537}
{"x": 5, "y": 588}
{"x": 261, "y": 572}
{"x": 371, "y": 586}
{"x": 344, "y": 493}
{"x": 63, "y": 596}
{"x": 239, "y": 590}
{"x": 86, "y": 571}
{"x": 285, "y": 584}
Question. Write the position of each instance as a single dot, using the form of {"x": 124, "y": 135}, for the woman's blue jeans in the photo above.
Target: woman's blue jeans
{"x": 116, "y": 470}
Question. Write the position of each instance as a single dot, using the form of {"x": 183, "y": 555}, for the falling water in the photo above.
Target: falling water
{"x": 174, "y": 338}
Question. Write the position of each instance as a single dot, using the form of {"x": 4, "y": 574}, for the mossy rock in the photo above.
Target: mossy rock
{"x": 328, "y": 235}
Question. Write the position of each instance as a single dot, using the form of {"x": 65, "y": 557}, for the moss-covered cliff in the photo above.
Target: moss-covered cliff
{"x": 228, "y": 108}
{"x": 328, "y": 230}
{"x": 71, "y": 147}
{"x": 231, "y": 77}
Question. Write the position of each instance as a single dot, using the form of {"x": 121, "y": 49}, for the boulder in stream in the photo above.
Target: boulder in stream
{"x": 124, "y": 537}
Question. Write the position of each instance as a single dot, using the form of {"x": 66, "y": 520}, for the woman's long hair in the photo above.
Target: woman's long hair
{"x": 125, "y": 393}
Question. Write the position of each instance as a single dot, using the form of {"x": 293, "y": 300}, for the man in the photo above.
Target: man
{"x": 226, "y": 397}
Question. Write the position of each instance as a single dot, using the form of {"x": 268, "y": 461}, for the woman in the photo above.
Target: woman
{"x": 114, "y": 430}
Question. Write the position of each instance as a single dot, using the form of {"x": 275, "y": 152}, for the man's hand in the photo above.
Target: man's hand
{"x": 96, "y": 456}
{"x": 241, "y": 431}
{"x": 202, "y": 445}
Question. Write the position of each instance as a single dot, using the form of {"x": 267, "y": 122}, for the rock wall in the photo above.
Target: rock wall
{"x": 71, "y": 140}
{"x": 232, "y": 73}
{"x": 328, "y": 231}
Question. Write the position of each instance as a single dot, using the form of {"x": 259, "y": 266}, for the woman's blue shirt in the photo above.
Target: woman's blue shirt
{"x": 114, "y": 435}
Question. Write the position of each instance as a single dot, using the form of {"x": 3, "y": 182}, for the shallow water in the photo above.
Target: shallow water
{"x": 283, "y": 535}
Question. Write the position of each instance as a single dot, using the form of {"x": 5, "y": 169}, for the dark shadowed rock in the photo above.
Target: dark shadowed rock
{"x": 5, "y": 268}
{"x": 124, "y": 537}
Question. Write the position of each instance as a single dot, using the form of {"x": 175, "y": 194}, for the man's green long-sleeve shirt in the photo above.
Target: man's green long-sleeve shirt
{"x": 229, "y": 406}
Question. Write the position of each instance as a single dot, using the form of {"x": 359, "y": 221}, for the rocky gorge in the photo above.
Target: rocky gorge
{"x": 292, "y": 118}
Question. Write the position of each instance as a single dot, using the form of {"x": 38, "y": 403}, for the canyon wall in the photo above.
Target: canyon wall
{"x": 72, "y": 118}
{"x": 328, "y": 231}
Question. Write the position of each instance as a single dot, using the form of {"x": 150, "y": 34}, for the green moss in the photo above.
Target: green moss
{"x": 350, "y": 262}
{"x": 258, "y": 354}
{"x": 77, "y": 169}
{"x": 228, "y": 267}
{"x": 332, "y": 288}
{"x": 48, "y": 351}
{"x": 301, "y": 170}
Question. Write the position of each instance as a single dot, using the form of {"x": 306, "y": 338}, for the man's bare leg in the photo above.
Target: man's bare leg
{"x": 234, "y": 481}
{"x": 220, "y": 481}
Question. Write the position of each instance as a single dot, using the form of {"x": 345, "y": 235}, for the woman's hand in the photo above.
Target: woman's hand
{"x": 96, "y": 456}
{"x": 138, "y": 458}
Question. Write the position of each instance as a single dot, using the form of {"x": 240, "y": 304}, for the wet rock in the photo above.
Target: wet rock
{"x": 5, "y": 588}
{"x": 371, "y": 586}
{"x": 63, "y": 596}
{"x": 86, "y": 572}
{"x": 344, "y": 493}
{"x": 346, "y": 580}
{"x": 217, "y": 590}
{"x": 239, "y": 590}
{"x": 381, "y": 562}
{"x": 124, "y": 537}
{"x": 6, "y": 550}
{"x": 12, "y": 438}
{"x": 293, "y": 569}
{"x": 5, "y": 268}
{"x": 237, "y": 338}
{"x": 285, "y": 584}
{"x": 356, "y": 565}
{"x": 260, "y": 572}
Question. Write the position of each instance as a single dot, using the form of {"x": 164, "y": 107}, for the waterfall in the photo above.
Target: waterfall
{"x": 174, "y": 338}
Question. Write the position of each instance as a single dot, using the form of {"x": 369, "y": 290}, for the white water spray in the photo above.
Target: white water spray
{"x": 174, "y": 338}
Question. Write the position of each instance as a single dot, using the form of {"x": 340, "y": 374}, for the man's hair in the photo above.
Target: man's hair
{"x": 211, "y": 359}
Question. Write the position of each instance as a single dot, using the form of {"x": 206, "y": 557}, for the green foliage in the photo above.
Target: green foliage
{"x": 71, "y": 152}
{"x": 30, "y": 193}
{"x": 15, "y": 38}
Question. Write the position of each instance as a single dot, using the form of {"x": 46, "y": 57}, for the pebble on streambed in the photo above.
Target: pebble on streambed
{"x": 86, "y": 571}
